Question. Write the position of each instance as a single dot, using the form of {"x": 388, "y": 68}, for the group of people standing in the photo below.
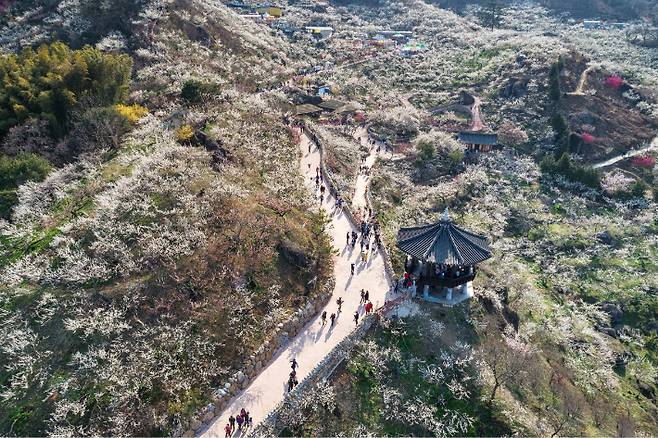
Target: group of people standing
{"x": 243, "y": 421}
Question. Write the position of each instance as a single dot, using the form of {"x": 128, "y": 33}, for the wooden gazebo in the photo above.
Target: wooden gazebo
{"x": 442, "y": 257}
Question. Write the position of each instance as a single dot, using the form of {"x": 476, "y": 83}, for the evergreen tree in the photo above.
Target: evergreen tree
{"x": 491, "y": 14}
{"x": 49, "y": 83}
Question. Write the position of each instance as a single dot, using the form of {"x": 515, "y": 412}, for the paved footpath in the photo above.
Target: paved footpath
{"x": 314, "y": 341}
{"x": 374, "y": 151}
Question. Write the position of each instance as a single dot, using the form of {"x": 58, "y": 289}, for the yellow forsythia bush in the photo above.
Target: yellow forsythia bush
{"x": 131, "y": 112}
{"x": 184, "y": 133}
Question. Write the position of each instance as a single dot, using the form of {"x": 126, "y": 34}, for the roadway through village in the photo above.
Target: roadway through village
{"x": 315, "y": 340}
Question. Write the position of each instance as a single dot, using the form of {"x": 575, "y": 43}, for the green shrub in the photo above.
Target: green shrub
{"x": 554, "y": 88}
{"x": 49, "y": 83}
{"x": 15, "y": 171}
{"x": 426, "y": 151}
{"x": 8, "y": 199}
{"x": 195, "y": 91}
{"x": 568, "y": 168}
{"x": 456, "y": 156}
{"x": 559, "y": 124}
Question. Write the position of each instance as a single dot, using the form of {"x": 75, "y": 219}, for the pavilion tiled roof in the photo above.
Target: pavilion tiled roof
{"x": 444, "y": 243}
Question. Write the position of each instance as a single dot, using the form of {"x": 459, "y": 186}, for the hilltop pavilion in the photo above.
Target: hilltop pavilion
{"x": 442, "y": 259}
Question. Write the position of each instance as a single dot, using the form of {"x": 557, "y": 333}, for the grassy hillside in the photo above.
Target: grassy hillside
{"x": 133, "y": 281}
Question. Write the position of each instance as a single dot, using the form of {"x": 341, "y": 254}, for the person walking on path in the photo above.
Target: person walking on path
{"x": 324, "y": 317}
{"x": 333, "y": 319}
{"x": 352, "y": 269}
{"x": 366, "y": 296}
{"x": 368, "y": 308}
{"x": 339, "y": 302}
{"x": 363, "y": 296}
{"x": 240, "y": 421}
{"x": 294, "y": 364}
{"x": 250, "y": 420}
{"x": 348, "y": 238}
{"x": 356, "y": 318}
{"x": 228, "y": 430}
{"x": 231, "y": 421}
{"x": 291, "y": 384}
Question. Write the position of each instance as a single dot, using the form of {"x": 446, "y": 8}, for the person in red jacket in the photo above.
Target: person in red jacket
{"x": 228, "y": 430}
{"x": 368, "y": 307}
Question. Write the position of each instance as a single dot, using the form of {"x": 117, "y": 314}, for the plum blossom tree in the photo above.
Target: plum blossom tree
{"x": 511, "y": 135}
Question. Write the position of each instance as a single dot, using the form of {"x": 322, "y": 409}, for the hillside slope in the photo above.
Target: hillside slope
{"x": 133, "y": 280}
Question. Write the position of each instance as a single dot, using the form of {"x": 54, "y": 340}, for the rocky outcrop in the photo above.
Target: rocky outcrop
{"x": 515, "y": 87}
{"x": 293, "y": 253}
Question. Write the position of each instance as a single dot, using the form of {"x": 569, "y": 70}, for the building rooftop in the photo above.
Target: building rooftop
{"x": 306, "y": 108}
{"x": 444, "y": 243}
{"x": 478, "y": 138}
{"x": 331, "y": 104}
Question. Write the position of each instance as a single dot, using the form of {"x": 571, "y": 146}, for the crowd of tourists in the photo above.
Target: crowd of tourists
{"x": 243, "y": 421}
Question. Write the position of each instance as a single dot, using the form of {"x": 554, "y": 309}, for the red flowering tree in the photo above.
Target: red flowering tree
{"x": 587, "y": 137}
{"x": 614, "y": 81}
{"x": 646, "y": 161}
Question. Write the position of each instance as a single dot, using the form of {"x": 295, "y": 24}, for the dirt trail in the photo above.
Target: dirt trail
{"x": 314, "y": 341}
{"x": 476, "y": 119}
{"x": 582, "y": 82}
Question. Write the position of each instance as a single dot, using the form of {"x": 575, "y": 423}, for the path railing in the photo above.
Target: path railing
{"x": 271, "y": 424}
{"x": 388, "y": 264}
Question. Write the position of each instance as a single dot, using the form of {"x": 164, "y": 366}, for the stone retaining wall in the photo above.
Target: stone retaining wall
{"x": 271, "y": 425}
{"x": 327, "y": 174}
{"x": 252, "y": 366}
{"x": 388, "y": 264}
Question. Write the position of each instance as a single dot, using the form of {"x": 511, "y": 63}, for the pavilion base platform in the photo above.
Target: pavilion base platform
{"x": 448, "y": 296}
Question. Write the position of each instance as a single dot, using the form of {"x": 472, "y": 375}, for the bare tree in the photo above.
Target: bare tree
{"x": 504, "y": 363}
{"x": 626, "y": 425}
{"x": 564, "y": 408}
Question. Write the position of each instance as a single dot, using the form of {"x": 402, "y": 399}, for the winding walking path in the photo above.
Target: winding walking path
{"x": 629, "y": 154}
{"x": 359, "y": 201}
{"x": 314, "y": 341}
